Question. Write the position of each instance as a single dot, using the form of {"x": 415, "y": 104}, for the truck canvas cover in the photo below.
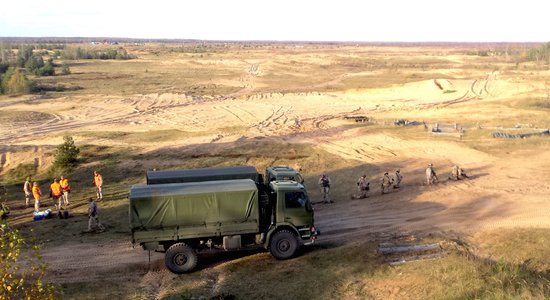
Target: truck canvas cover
{"x": 194, "y": 209}
{"x": 204, "y": 174}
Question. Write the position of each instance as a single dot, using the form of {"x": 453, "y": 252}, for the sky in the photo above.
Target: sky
{"x": 282, "y": 20}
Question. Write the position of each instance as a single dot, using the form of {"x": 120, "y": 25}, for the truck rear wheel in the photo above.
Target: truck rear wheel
{"x": 180, "y": 258}
{"x": 283, "y": 245}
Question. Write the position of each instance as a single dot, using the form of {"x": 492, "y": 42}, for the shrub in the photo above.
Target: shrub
{"x": 34, "y": 63}
{"x": 46, "y": 70}
{"x": 66, "y": 155}
{"x": 65, "y": 70}
{"x": 21, "y": 280}
{"x": 60, "y": 87}
{"x": 15, "y": 82}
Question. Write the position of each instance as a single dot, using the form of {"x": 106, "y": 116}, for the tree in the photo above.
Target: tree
{"x": 66, "y": 155}
{"x": 15, "y": 82}
{"x": 34, "y": 63}
{"x": 23, "y": 55}
{"x": 46, "y": 70}
{"x": 21, "y": 280}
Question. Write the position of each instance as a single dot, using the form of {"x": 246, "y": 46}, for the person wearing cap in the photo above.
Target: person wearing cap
{"x": 398, "y": 179}
{"x": 386, "y": 182}
{"x": 363, "y": 187}
{"x": 324, "y": 184}
{"x": 431, "y": 177}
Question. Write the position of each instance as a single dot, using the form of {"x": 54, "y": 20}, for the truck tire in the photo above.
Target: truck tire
{"x": 283, "y": 245}
{"x": 180, "y": 258}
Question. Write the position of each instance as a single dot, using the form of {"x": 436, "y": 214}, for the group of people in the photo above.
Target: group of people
{"x": 59, "y": 193}
{"x": 457, "y": 173}
{"x": 387, "y": 182}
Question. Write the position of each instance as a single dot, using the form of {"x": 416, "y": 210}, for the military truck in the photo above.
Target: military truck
{"x": 202, "y": 174}
{"x": 185, "y": 219}
{"x": 281, "y": 173}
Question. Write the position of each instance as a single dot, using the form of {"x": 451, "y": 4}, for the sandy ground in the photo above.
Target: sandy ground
{"x": 496, "y": 196}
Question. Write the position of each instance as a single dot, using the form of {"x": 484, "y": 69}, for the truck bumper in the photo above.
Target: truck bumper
{"x": 312, "y": 238}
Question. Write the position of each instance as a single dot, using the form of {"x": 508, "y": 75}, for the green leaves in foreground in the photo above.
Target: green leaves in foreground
{"x": 21, "y": 276}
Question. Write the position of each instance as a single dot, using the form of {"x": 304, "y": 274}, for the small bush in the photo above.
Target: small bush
{"x": 21, "y": 280}
{"x": 66, "y": 155}
{"x": 65, "y": 70}
{"x": 59, "y": 88}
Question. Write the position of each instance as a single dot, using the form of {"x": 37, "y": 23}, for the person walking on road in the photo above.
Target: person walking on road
{"x": 98, "y": 183}
{"x": 66, "y": 189}
{"x": 56, "y": 193}
{"x": 431, "y": 176}
{"x": 93, "y": 220}
{"x": 386, "y": 183}
{"x": 398, "y": 179}
{"x": 363, "y": 187}
{"x": 324, "y": 183}
{"x": 37, "y": 193}
{"x": 27, "y": 189}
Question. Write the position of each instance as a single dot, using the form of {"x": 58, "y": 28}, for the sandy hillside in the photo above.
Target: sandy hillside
{"x": 497, "y": 194}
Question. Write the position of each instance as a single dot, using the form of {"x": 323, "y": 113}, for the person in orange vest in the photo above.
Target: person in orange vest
{"x": 98, "y": 182}
{"x": 66, "y": 189}
{"x": 37, "y": 193}
{"x": 56, "y": 193}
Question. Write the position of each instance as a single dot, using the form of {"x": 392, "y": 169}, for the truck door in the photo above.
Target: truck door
{"x": 298, "y": 209}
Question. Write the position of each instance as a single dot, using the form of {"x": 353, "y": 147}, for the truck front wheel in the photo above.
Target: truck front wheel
{"x": 180, "y": 258}
{"x": 283, "y": 245}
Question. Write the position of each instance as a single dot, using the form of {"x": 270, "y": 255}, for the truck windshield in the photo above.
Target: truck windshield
{"x": 297, "y": 200}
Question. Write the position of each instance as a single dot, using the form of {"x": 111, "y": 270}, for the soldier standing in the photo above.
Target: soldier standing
{"x": 324, "y": 183}
{"x": 386, "y": 182}
{"x": 363, "y": 187}
{"x": 398, "y": 179}
{"x": 431, "y": 177}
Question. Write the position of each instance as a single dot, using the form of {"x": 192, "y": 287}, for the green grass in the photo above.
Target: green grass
{"x": 357, "y": 271}
{"x": 19, "y": 173}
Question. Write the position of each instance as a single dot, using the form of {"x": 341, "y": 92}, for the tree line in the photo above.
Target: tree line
{"x": 19, "y": 61}
{"x": 72, "y": 53}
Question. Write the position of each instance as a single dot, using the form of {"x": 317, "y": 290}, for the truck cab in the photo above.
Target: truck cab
{"x": 282, "y": 174}
{"x": 293, "y": 212}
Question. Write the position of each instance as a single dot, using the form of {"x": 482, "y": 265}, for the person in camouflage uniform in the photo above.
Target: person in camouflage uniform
{"x": 324, "y": 184}
{"x": 398, "y": 179}
{"x": 386, "y": 183}
{"x": 458, "y": 173}
{"x": 363, "y": 187}
{"x": 431, "y": 176}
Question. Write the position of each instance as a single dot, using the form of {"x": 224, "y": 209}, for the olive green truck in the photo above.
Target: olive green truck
{"x": 186, "y": 212}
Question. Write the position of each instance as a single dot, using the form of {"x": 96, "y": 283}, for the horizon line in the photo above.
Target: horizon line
{"x": 99, "y": 38}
